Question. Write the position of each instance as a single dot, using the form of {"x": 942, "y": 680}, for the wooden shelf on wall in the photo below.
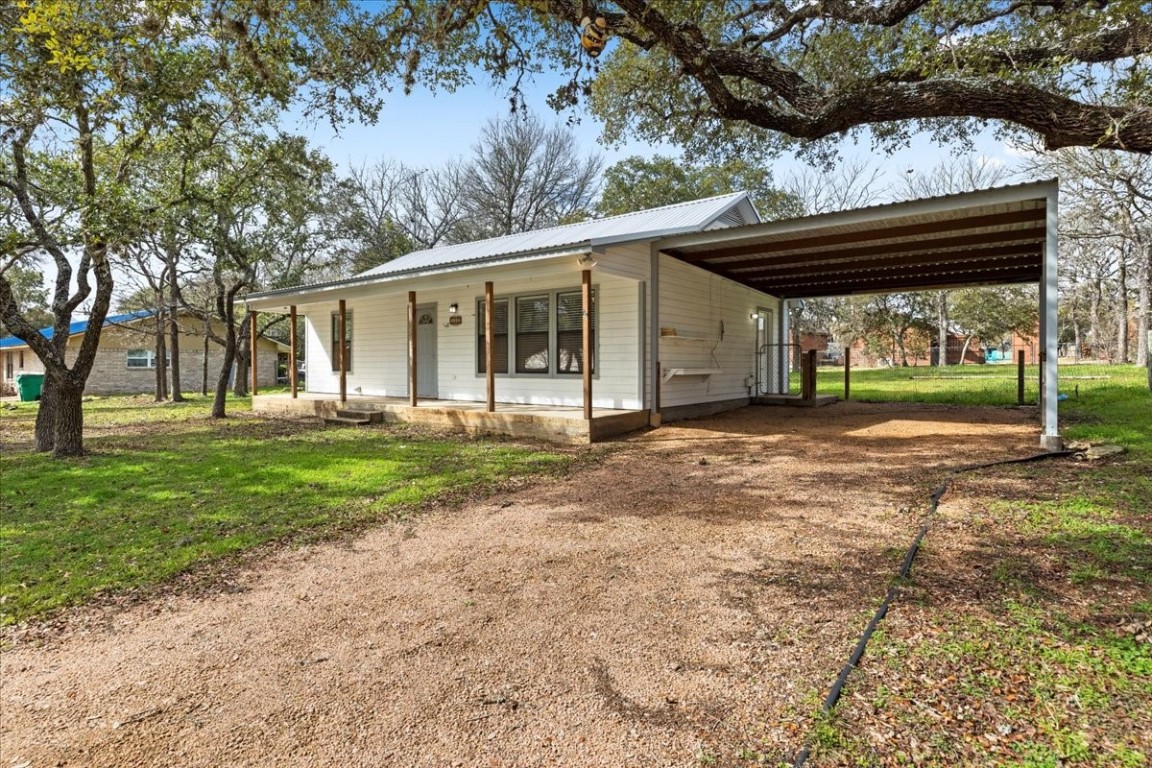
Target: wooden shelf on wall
{"x": 672, "y": 373}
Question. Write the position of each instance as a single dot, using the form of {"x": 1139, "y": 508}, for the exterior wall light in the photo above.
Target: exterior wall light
{"x": 453, "y": 308}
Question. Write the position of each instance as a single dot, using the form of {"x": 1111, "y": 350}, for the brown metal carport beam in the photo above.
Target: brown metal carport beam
{"x": 1027, "y": 215}
{"x": 979, "y": 258}
{"x": 914, "y": 272}
{"x": 925, "y": 283}
{"x": 1033, "y": 238}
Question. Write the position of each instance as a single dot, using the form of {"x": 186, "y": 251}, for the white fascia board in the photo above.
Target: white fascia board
{"x": 600, "y": 243}
{"x": 1038, "y": 191}
{"x": 275, "y": 301}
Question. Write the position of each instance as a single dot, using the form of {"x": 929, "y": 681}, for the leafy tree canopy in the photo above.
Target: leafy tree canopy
{"x": 636, "y": 183}
{"x": 727, "y": 78}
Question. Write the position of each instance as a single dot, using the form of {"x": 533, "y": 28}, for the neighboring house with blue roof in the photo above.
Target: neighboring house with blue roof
{"x": 126, "y": 360}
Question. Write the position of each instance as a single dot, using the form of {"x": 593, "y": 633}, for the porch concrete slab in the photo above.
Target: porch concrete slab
{"x": 558, "y": 424}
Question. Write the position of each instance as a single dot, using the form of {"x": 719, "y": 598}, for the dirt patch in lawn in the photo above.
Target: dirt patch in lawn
{"x": 685, "y": 601}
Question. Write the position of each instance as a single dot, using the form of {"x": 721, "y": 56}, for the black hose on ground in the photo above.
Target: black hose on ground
{"x": 834, "y": 692}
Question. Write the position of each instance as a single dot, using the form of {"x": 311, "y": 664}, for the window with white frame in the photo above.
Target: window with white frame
{"x": 141, "y": 358}
{"x": 541, "y": 334}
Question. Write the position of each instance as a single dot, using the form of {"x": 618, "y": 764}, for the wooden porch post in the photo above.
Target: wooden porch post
{"x": 342, "y": 357}
{"x": 847, "y": 371}
{"x": 586, "y": 338}
{"x": 252, "y": 352}
{"x": 489, "y": 347}
{"x": 292, "y": 341}
{"x": 412, "y": 348}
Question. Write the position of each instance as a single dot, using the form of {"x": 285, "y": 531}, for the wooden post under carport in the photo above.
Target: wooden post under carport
{"x": 412, "y": 379}
{"x": 586, "y": 339}
{"x": 253, "y": 369}
{"x": 293, "y": 378}
{"x": 341, "y": 346}
{"x": 489, "y": 347}
{"x": 808, "y": 376}
{"x": 847, "y": 372}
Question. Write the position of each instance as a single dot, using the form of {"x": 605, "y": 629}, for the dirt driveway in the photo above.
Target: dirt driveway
{"x": 684, "y": 602}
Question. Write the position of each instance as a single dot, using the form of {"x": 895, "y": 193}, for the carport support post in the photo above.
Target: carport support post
{"x": 654, "y": 372}
{"x": 586, "y": 339}
{"x": 252, "y": 367}
{"x": 293, "y": 379}
{"x": 412, "y": 348}
{"x": 847, "y": 372}
{"x": 489, "y": 348}
{"x": 785, "y": 341}
{"x": 1050, "y": 438}
{"x": 1020, "y": 377}
{"x": 808, "y": 376}
{"x": 341, "y": 349}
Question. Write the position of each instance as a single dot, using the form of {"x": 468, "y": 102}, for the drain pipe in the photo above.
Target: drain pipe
{"x": 905, "y": 569}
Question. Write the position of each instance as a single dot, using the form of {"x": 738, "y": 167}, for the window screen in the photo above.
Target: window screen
{"x": 532, "y": 334}
{"x": 499, "y": 337}
{"x": 570, "y": 332}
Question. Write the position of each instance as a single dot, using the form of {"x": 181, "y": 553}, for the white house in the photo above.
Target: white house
{"x": 687, "y": 308}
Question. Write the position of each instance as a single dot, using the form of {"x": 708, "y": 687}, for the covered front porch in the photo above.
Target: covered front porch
{"x": 559, "y": 424}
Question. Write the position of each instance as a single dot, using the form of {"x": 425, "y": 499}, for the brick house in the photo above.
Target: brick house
{"x": 126, "y": 360}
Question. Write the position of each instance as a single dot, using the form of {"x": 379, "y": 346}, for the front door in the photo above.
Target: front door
{"x": 426, "y": 351}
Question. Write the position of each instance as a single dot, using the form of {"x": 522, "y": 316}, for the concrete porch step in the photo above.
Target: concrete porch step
{"x": 347, "y": 421}
{"x": 368, "y": 415}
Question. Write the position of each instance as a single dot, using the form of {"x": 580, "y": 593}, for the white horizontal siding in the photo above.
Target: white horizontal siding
{"x": 380, "y": 340}
{"x": 711, "y": 316}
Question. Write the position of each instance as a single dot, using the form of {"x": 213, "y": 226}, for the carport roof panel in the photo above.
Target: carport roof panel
{"x": 990, "y": 237}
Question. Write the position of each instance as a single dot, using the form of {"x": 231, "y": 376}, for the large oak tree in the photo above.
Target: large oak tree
{"x": 89, "y": 87}
{"x": 742, "y": 74}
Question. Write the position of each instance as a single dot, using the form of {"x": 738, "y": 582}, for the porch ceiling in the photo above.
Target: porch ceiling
{"x": 994, "y": 237}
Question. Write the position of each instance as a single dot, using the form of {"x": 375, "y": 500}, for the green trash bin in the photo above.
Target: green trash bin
{"x": 29, "y": 385}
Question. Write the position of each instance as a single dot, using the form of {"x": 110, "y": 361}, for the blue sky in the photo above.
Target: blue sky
{"x": 426, "y": 129}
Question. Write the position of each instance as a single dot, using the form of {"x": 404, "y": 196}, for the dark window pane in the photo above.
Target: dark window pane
{"x": 532, "y": 334}
{"x": 499, "y": 337}
{"x": 570, "y": 332}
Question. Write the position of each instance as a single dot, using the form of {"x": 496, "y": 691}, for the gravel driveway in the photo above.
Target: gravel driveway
{"x": 685, "y": 601}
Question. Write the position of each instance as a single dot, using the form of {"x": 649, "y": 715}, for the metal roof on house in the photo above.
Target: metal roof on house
{"x": 695, "y": 216}
{"x": 80, "y": 326}
{"x": 991, "y": 237}
{"x": 650, "y": 224}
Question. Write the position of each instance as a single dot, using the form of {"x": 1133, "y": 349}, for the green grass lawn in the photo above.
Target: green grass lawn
{"x": 974, "y": 384}
{"x": 1024, "y": 638}
{"x": 165, "y": 489}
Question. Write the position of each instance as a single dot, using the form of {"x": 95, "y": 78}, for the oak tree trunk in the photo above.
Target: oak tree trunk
{"x": 942, "y": 328}
{"x": 161, "y": 362}
{"x": 219, "y": 401}
{"x": 46, "y": 414}
{"x": 174, "y": 350}
{"x": 1122, "y": 311}
{"x": 69, "y": 427}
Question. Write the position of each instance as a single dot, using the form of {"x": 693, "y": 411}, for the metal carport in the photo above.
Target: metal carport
{"x": 992, "y": 237}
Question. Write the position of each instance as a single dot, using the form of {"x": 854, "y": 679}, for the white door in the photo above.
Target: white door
{"x": 767, "y": 354}
{"x": 426, "y": 351}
